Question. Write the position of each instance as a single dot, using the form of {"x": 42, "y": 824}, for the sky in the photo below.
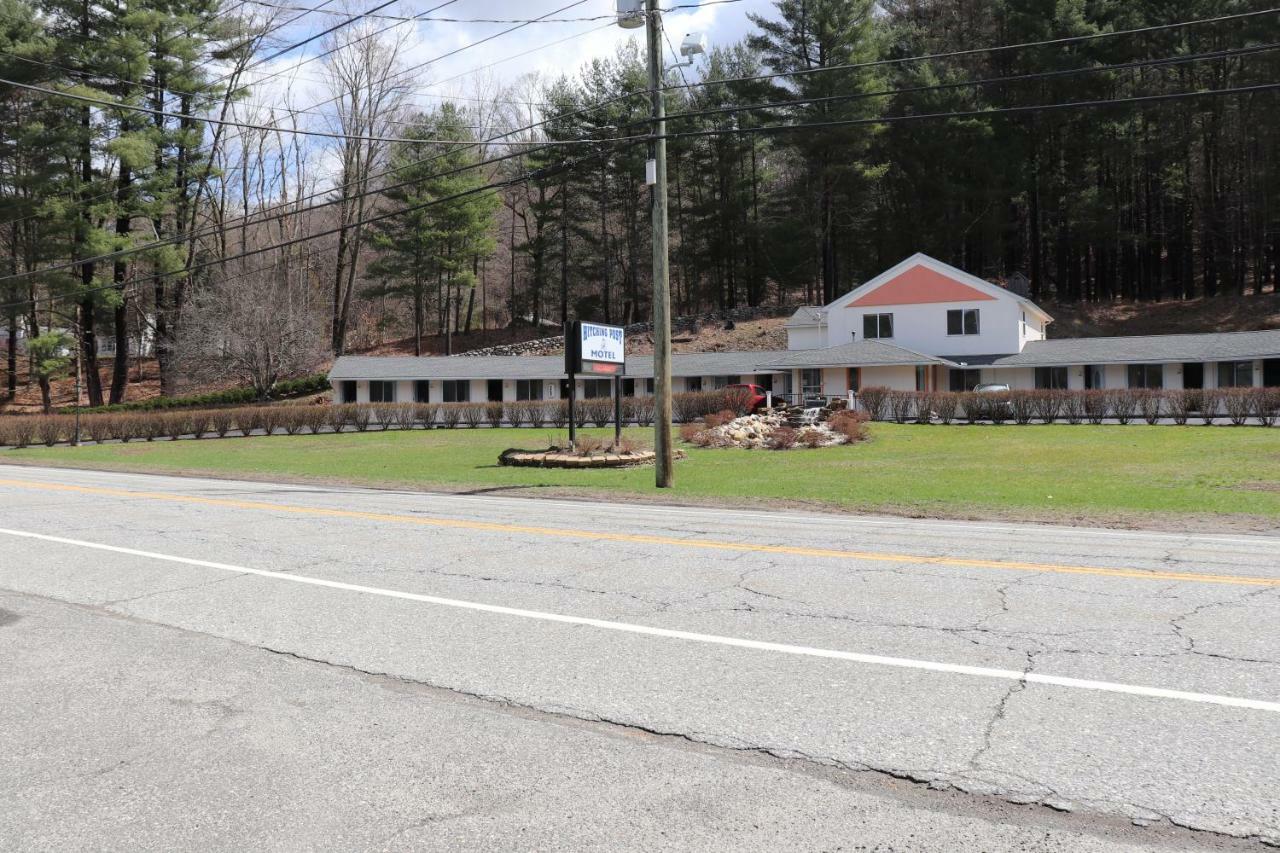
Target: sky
{"x": 545, "y": 48}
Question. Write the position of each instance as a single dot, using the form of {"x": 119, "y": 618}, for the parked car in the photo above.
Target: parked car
{"x": 997, "y": 389}
{"x": 756, "y": 396}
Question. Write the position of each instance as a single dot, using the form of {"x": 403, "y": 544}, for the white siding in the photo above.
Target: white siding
{"x": 807, "y": 337}
{"x": 923, "y": 328}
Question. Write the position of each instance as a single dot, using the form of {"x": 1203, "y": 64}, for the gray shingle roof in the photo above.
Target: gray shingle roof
{"x": 535, "y": 366}
{"x": 862, "y": 353}
{"x": 1137, "y": 349}
{"x": 806, "y": 315}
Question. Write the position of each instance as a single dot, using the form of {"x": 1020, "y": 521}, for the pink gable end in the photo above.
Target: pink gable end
{"x": 920, "y": 285}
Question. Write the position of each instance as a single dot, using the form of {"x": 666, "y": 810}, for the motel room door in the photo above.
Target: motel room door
{"x": 1271, "y": 373}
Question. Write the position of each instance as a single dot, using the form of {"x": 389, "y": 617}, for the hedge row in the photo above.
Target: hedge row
{"x": 22, "y": 431}
{"x": 1236, "y": 405}
{"x": 313, "y": 384}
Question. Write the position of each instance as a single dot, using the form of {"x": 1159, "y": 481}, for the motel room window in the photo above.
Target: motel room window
{"x": 382, "y": 392}
{"x": 877, "y": 326}
{"x": 1146, "y": 376}
{"x": 422, "y": 391}
{"x": 1235, "y": 374}
{"x": 347, "y": 390}
{"x": 1193, "y": 374}
{"x": 962, "y": 321}
{"x": 495, "y": 390}
{"x": 1051, "y": 377}
{"x": 528, "y": 389}
{"x": 628, "y": 387}
{"x": 922, "y": 378}
{"x": 964, "y": 380}
{"x": 648, "y": 384}
{"x": 811, "y": 382}
{"x": 1094, "y": 377}
{"x": 592, "y": 388}
{"x": 693, "y": 383}
{"x": 719, "y": 382}
{"x": 457, "y": 390}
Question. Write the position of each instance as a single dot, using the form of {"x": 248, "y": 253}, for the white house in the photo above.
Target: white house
{"x": 921, "y": 325}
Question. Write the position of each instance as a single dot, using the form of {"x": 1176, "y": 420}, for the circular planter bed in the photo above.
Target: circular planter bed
{"x": 563, "y": 457}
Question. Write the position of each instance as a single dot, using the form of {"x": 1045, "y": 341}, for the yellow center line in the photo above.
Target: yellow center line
{"x": 647, "y": 539}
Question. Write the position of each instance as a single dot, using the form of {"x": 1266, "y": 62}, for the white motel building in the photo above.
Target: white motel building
{"x": 920, "y": 325}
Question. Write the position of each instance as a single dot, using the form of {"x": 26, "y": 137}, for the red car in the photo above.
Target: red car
{"x": 755, "y": 394}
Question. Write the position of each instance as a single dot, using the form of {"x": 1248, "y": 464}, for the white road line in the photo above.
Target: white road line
{"x": 692, "y": 636}
{"x": 945, "y": 525}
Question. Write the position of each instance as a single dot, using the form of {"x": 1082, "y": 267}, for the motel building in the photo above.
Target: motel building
{"x": 921, "y": 325}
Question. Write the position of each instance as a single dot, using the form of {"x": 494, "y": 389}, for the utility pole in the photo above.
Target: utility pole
{"x": 665, "y": 460}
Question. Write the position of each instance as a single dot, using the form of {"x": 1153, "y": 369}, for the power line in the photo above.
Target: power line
{"x": 985, "y": 81}
{"x": 953, "y": 54}
{"x": 1140, "y": 99}
{"x": 405, "y": 18}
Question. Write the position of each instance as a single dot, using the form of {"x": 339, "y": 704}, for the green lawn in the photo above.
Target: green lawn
{"x": 1131, "y": 474}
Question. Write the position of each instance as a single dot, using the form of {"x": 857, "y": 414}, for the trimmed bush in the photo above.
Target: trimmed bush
{"x": 1047, "y": 403}
{"x": 558, "y": 412}
{"x": 1182, "y": 403}
{"x": 1151, "y": 404}
{"x": 1209, "y": 401}
{"x": 425, "y": 413}
{"x": 852, "y": 425}
{"x": 900, "y": 404}
{"x": 222, "y": 421}
{"x": 99, "y": 428}
{"x": 539, "y": 411}
{"x": 1266, "y": 405}
{"x": 1124, "y": 403}
{"x": 1023, "y": 405}
{"x": 783, "y": 438}
{"x": 874, "y": 401}
{"x": 473, "y": 414}
{"x": 17, "y": 431}
{"x": 925, "y": 403}
{"x": 1238, "y": 404}
{"x": 451, "y": 414}
{"x": 597, "y": 410}
{"x": 1073, "y": 406}
{"x": 643, "y": 410}
{"x": 360, "y": 417}
{"x": 50, "y": 429}
{"x": 1097, "y": 405}
{"x": 493, "y": 412}
{"x": 973, "y": 406}
{"x": 945, "y": 405}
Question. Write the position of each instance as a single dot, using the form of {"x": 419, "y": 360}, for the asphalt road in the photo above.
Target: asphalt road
{"x": 205, "y": 664}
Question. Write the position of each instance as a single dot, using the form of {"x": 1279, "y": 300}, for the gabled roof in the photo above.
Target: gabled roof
{"x": 864, "y": 353}
{"x": 807, "y": 315}
{"x": 1139, "y": 349}
{"x": 922, "y": 279}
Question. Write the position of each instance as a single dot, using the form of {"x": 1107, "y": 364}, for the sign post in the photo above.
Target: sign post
{"x": 595, "y": 350}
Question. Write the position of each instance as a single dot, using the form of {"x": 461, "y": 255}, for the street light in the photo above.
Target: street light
{"x": 631, "y": 14}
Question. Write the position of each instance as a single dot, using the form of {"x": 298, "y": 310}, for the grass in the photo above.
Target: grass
{"x": 1133, "y": 474}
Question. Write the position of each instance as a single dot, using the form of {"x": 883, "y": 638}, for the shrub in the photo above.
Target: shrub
{"x": 17, "y": 431}
{"x": 1022, "y": 405}
{"x": 974, "y": 406}
{"x": 516, "y": 412}
{"x": 493, "y": 411}
{"x": 405, "y": 415}
{"x": 585, "y": 445}
{"x": 1151, "y": 404}
{"x": 945, "y": 404}
{"x": 425, "y": 413}
{"x": 451, "y": 414}
{"x": 1096, "y": 404}
{"x": 812, "y": 438}
{"x": 250, "y": 419}
{"x": 539, "y": 411}
{"x": 739, "y": 400}
{"x": 291, "y": 419}
{"x": 384, "y": 415}
{"x": 689, "y": 432}
{"x": 598, "y": 410}
{"x": 1266, "y": 405}
{"x": 269, "y": 418}
{"x": 343, "y": 416}
{"x": 900, "y": 404}
{"x": 124, "y": 427}
{"x": 176, "y": 424}
{"x": 996, "y": 407}
{"x": 850, "y": 424}
{"x": 99, "y": 427}
{"x": 631, "y": 445}
{"x": 783, "y": 438}
{"x": 874, "y": 400}
{"x": 1209, "y": 401}
{"x": 360, "y": 416}
{"x": 925, "y": 404}
{"x": 1073, "y": 406}
{"x": 221, "y": 421}
{"x": 50, "y": 429}
{"x": 1048, "y": 404}
{"x": 1124, "y": 403}
{"x": 1238, "y": 403}
{"x": 1182, "y": 403}
{"x": 558, "y": 412}
{"x": 318, "y": 417}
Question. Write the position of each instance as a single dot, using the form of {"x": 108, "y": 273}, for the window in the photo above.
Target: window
{"x": 719, "y": 382}
{"x": 962, "y": 321}
{"x": 1094, "y": 376}
{"x": 457, "y": 390}
{"x": 965, "y": 380}
{"x": 628, "y": 387}
{"x": 1193, "y": 374}
{"x": 347, "y": 391}
{"x": 811, "y": 382}
{"x": 422, "y": 391}
{"x": 1271, "y": 373}
{"x": 693, "y": 383}
{"x": 648, "y": 384}
{"x": 1146, "y": 376}
{"x": 922, "y": 378}
{"x": 1051, "y": 377}
{"x": 877, "y": 326}
{"x": 1235, "y": 374}
{"x": 382, "y": 392}
{"x": 528, "y": 389}
{"x": 592, "y": 388}
{"x": 1024, "y": 324}
{"x": 854, "y": 379}
{"x": 765, "y": 381}
{"x": 494, "y": 390}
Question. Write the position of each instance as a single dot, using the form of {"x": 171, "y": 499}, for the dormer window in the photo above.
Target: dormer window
{"x": 962, "y": 321}
{"x": 877, "y": 326}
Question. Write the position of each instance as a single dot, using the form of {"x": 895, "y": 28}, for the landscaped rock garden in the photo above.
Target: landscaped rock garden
{"x": 778, "y": 429}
